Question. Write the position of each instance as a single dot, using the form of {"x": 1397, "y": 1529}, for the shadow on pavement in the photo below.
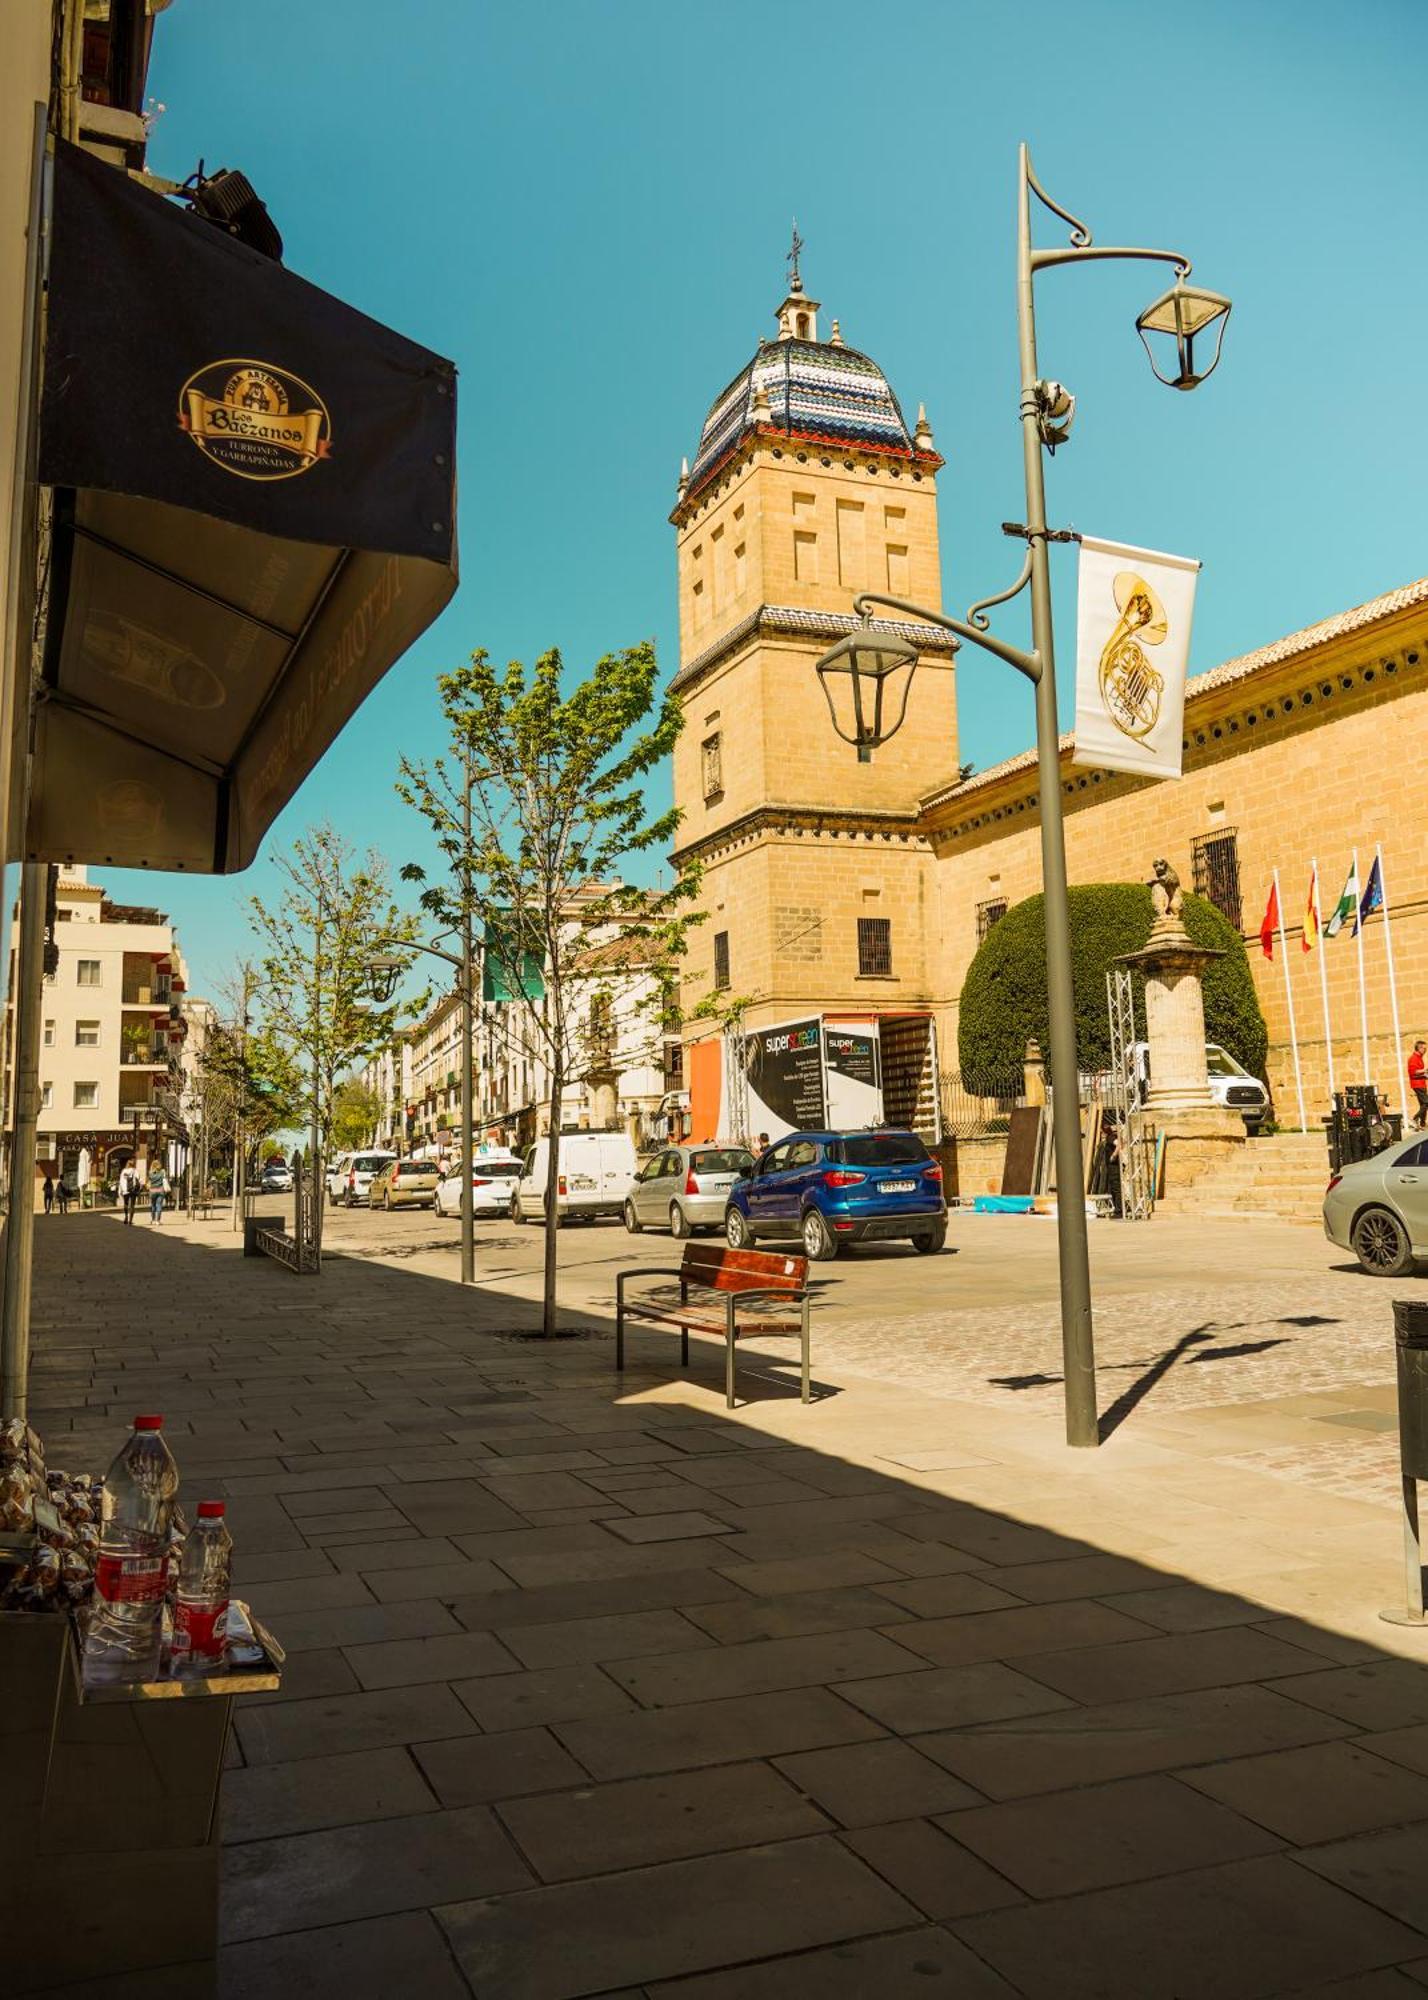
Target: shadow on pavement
{"x": 607, "y": 1691}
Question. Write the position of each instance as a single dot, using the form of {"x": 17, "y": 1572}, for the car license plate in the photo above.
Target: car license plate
{"x": 581, "y": 1181}
{"x": 897, "y": 1187}
{"x": 712, "y": 1183}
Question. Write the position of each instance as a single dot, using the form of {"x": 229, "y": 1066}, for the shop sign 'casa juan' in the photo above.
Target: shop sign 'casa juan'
{"x": 254, "y": 517}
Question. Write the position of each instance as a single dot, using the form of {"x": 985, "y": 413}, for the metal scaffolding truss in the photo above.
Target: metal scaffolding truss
{"x": 1137, "y": 1139}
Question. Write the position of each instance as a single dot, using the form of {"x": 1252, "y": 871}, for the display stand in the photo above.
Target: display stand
{"x": 120, "y": 1872}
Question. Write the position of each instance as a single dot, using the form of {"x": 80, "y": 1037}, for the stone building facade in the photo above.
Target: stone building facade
{"x": 842, "y": 888}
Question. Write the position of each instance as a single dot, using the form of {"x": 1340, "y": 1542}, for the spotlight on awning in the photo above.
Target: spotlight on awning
{"x": 227, "y": 200}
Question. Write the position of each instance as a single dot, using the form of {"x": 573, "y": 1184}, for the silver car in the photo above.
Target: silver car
{"x": 1378, "y": 1208}
{"x": 685, "y": 1188}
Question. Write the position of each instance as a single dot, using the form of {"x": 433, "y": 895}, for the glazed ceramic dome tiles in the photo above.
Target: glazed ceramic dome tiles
{"x": 814, "y": 389}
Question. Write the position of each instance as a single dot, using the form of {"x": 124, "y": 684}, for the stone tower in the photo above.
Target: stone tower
{"x": 807, "y": 487}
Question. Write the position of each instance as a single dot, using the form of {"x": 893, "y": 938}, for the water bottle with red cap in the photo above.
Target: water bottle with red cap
{"x": 204, "y": 1579}
{"x": 125, "y": 1627}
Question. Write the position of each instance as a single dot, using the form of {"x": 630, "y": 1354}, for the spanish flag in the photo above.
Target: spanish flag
{"x": 1311, "y": 911}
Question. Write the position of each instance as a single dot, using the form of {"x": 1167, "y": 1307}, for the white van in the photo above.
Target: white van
{"x": 594, "y": 1174}
{"x": 350, "y": 1177}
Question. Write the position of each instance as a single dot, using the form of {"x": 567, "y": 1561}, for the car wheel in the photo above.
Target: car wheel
{"x": 819, "y": 1241}
{"x": 516, "y": 1215}
{"x": 678, "y": 1221}
{"x": 737, "y": 1233}
{"x": 930, "y": 1242}
{"x": 632, "y": 1221}
{"x": 1380, "y": 1243}
{"x": 387, "y": 1201}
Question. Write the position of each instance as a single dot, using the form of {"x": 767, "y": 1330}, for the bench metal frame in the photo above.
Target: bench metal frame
{"x": 703, "y": 1317}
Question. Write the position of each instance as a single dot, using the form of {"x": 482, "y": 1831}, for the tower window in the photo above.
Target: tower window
{"x": 711, "y": 764}
{"x": 721, "y": 567}
{"x": 874, "y": 947}
{"x": 989, "y": 915}
{"x": 741, "y": 571}
{"x": 1216, "y": 858}
{"x": 852, "y": 546}
{"x": 805, "y": 557}
{"x": 721, "y": 961}
{"x": 803, "y": 326}
{"x": 898, "y": 582}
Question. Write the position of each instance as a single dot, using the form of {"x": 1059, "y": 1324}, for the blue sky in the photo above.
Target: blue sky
{"x": 586, "y": 204}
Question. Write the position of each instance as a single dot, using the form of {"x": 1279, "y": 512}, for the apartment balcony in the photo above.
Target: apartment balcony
{"x": 156, "y": 1056}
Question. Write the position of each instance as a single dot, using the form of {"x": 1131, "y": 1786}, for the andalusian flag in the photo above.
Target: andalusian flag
{"x": 1311, "y": 911}
{"x": 1346, "y": 910}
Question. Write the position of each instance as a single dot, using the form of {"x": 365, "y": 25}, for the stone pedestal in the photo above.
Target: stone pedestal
{"x": 602, "y": 1088}
{"x": 1201, "y": 1137}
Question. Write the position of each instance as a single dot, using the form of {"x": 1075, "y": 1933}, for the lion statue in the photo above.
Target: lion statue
{"x": 1165, "y": 892}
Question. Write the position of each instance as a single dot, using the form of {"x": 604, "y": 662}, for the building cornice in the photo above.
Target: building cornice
{"x": 853, "y": 823}
{"x": 796, "y": 443}
{"x": 788, "y": 621}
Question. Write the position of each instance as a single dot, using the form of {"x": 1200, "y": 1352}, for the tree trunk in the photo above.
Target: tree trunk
{"x": 552, "y": 1203}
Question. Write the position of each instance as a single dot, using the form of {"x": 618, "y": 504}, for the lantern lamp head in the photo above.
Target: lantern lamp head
{"x": 383, "y": 970}
{"x": 865, "y": 679}
{"x": 1183, "y": 315}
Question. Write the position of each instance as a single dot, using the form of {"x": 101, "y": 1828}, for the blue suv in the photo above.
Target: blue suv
{"x": 832, "y": 1188}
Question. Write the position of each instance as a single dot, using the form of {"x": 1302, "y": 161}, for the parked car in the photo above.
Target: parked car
{"x": 350, "y": 1177}
{"x": 685, "y": 1188}
{"x": 276, "y": 1178}
{"x": 404, "y": 1184}
{"x": 492, "y": 1176}
{"x": 1378, "y": 1208}
{"x": 1231, "y": 1084}
{"x": 594, "y": 1174}
{"x": 832, "y": 1188}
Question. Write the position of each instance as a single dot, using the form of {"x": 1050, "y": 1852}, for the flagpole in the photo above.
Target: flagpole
{"x": 1289, "y": 1003}
{"x": 1363, "y": 997}
{"x": 1323, "y": 974}
{"x": 1392, "y": 984}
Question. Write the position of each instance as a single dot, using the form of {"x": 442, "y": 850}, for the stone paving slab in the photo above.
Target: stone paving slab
{"x": 903, "y": 1695}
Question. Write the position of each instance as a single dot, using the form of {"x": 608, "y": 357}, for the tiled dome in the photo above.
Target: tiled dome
{"x": 816, "y": 389}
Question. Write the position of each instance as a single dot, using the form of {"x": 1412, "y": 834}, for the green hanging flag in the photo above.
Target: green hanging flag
{"x": 1347, "y": 905}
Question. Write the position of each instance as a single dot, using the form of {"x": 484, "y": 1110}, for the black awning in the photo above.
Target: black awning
{"x": 254, "y": 517}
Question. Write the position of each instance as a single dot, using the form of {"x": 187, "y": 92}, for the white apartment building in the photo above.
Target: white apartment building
{"x": 112, "y": 1039}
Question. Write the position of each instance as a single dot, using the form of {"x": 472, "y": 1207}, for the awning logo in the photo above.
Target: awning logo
{"x": 255, "y": 420}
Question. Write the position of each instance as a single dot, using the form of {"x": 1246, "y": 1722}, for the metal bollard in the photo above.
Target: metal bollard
{"x": 1410, "y": 1336}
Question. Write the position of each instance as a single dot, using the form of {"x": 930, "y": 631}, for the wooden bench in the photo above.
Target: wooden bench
{"x": 716, "y": 1286}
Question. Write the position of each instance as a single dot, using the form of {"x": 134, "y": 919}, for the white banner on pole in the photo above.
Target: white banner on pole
{"x": 1132, "y": 647}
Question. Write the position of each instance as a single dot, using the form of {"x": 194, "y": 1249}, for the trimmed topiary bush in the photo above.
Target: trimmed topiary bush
{"x": 1004, "y": 994}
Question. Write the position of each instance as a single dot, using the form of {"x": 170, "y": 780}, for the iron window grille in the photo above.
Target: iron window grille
{"x": 721, "y": 961}
{"x": 989, "y": 915}
{"x": 1216, "y": 859}
{"x": 874, "y": 947}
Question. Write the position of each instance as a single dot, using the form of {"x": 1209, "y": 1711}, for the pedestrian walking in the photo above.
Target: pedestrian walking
{"x": 129, "y": 1189}
{"x": 1418, "y": 1082}
{"x": 158, "y": 1191}
{"x": 49, "y": 1193}
{"x": 62, "y": 1194}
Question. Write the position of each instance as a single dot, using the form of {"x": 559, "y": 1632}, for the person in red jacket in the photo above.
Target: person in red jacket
{"x": 1418, "y": 1083}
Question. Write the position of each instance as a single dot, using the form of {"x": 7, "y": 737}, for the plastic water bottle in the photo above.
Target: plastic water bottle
{"x": 131, "y": 1575}
{"x": 205, "y": 1574}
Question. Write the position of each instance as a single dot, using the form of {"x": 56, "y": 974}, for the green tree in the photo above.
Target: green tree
{"x": 355, "y": 1114}
{"x": 537, "y": 812}
{"x": 1003, "y": 1004}
{"x": 314, "y": 942}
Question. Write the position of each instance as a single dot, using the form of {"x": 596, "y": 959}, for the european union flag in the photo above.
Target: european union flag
{"x": 1373, "y": 894}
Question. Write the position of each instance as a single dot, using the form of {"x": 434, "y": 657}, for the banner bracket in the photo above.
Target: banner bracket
{"x": 1026, "y": 534}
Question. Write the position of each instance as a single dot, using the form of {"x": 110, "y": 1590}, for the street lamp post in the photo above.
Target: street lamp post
{"x": 383, "y": 971}
{"x": 866, "y": 678}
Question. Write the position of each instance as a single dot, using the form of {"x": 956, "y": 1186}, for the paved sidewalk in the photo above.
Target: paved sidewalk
{"x": 602, "y": 1690}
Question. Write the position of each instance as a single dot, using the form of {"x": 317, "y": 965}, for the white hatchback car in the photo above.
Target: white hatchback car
{"x": 351, "y": 1179}
{"x": 493, "y": 1176}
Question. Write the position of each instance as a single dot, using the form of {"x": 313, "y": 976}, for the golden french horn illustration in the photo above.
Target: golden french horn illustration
{"x": 1130, "y": 686}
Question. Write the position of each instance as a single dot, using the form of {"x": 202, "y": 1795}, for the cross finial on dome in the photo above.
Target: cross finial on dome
{"x": 795, "y": 282}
